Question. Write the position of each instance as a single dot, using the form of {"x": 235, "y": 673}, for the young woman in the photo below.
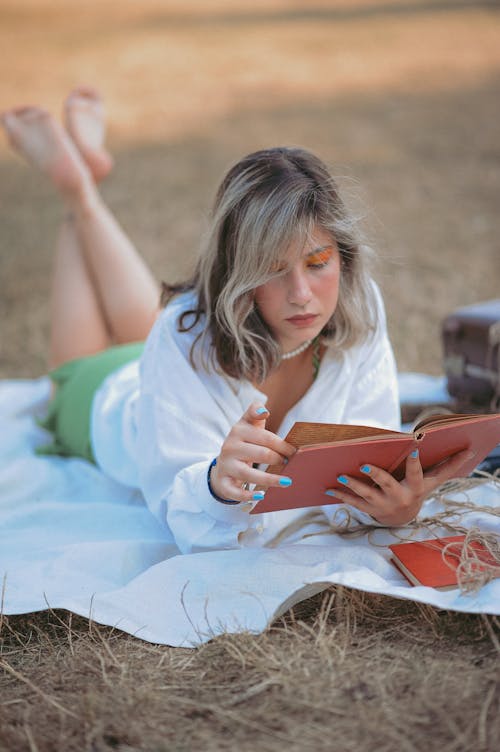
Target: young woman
{"x": 280, "y": 322}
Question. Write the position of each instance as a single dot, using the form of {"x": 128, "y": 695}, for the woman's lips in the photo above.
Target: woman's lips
{"x": 303, "y": 320}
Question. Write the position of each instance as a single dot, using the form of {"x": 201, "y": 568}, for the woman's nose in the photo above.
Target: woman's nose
{"x": 299, "y": 290}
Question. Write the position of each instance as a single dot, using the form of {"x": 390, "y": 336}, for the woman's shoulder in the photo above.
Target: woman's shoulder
{"x": 177, "y": 306}
{"x": 178, "y": 319}
{"x": 174, "y": 332}
{"x": 376, "y": 322}
{"x": 378, "y": 301}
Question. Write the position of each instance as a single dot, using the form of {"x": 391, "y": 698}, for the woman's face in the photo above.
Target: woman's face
{"x": 297, "y": 304}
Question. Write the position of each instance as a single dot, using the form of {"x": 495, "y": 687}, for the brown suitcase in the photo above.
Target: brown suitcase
{"x": 471, "y": 343}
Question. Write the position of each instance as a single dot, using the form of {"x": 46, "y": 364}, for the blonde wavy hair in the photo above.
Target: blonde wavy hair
{"x": 266, "y": 201}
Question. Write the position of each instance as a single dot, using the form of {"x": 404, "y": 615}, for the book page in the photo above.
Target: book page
{"x": 433, "y": 420}
{"x": 309, "y": 434}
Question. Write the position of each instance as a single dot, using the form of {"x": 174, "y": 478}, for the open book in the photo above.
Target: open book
{"x": 326, "y": 450}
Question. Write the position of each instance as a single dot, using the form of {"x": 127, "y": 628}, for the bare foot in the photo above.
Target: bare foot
{"x": 84, "y": 119}
{"x": 35, "y": 134}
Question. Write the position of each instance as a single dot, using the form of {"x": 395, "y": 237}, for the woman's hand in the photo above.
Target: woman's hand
{"x": 389, "y": 501}
{"x": 249, "y": 442}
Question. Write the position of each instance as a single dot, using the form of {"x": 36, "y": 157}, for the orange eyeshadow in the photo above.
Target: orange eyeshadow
{"x": 321, "y": 257}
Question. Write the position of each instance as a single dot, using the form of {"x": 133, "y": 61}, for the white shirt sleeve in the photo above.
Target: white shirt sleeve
{"x": 180, "y": 429}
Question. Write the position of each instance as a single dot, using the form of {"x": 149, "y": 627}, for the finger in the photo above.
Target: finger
{"x": 346, "y": 497}
{"x": 414, "y": 475}
{"x": 244, "y": 473}
{"x": 224, "y": 487}
{"x": 450, "y": 468}
{"x": 263, "y": 437}
{"x": 257, "y": 454}
{"x": 382, "y": 478}
{"x": 366, "y": 491}
{"x": 256, "y": 414}
{"x": 231, "y": 490}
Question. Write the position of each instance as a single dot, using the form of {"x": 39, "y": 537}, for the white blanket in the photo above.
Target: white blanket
{"x": 71, "y": 538}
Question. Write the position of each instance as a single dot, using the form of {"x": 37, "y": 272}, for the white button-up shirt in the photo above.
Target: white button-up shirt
{"x": 157, "y": 424}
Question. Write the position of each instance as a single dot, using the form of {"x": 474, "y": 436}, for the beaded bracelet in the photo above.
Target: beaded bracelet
{"x": 218, "y": 498}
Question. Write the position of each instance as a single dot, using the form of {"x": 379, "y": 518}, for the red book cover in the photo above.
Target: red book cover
{"x": 325, "y": 451}
{"x": 434, "y": 562}
{"x": 313, "y": 469}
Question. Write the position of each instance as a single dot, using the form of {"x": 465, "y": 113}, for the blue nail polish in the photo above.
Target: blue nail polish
{"x": 258, "y": 496}
{"x": 329, "y": 492}
{"x": 285, "y": 481}
{"x": 343, "y": 479}
{"x": 365, "y": 468}
{"x": 414, "y": 454}
{"x": 261, "y": 410}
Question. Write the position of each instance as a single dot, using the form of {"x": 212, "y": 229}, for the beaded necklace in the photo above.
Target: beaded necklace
{"x": 316, "y": 353}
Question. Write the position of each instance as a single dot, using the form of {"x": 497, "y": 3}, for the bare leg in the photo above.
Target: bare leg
{"x": 125, "y": 292}
{"x": 75, "y": 307}
{"x": 126, "y": 288}
{"x": 123, "y": 282}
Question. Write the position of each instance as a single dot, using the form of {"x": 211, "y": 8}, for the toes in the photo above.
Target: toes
{"x": 28, "y": 109}
{"x": 84, "y": 91}
{"x": 86, "y": 103}
{"x": 25, "y": 113}
{"x": 83, "y": 96}
{"x": 12, "y": 120}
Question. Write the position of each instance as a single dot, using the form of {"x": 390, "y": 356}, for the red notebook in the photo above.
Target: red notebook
{"x": 424, "y": 563}
{"x": 326, "y": 450}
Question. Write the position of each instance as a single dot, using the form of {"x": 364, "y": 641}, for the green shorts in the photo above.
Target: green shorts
{"x": 76, "y": 382}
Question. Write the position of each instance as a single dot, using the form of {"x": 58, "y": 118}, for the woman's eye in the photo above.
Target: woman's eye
{"x": 319, "y": 259}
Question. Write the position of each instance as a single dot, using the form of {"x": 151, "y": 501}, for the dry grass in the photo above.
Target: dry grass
{"x": 343, "y": 671}
{"x": 403, "y": 97}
